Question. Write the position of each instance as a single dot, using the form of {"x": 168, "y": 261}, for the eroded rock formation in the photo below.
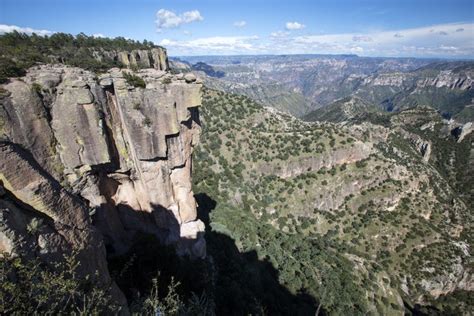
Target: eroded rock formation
{"x": 156, "y": 58}
{"x": 97, "y": 161}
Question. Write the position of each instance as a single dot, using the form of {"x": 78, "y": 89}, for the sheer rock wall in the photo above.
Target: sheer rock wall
{"x": 96, "y": 162}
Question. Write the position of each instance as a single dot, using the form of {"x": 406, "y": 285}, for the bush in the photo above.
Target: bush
{"x": 8, "y": 69}
{"x": 30, "y": 288}
{"x": 361, "y": 164}
{"x": 146, "y": 121}
{"x": 36, "y": 87}
{"x": 134, "y": 80}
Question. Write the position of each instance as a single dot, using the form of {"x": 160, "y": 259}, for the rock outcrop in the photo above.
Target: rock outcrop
{"x": 461, "y": 132}
{"x": 138, "y": 58}
{"x": 98, "y": 161}
{"x": 40, "y": 218}
{"x": 300, "y": 165}
{"x": 126, "y": 151}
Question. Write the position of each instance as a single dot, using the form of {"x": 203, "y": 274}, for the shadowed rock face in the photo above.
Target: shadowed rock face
{"x": 88, "y": 154}
{"x": 29, "y": 195}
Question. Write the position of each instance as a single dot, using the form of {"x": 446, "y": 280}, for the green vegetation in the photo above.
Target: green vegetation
{"x": 134, "y": 80}
{"x": 9, "y": 68}
{"x": 305, "y": 263}
{"x": 277, "y": 199}
{"x": 36, "y": 87}
{"x": 343, "y": 110}
{"x": 147, "y": 121}
{"x": 29, "y": 287}
{"x": 162, "y": 283}
{"x": 166, "y": 80}
{"x": 20, "y": 51}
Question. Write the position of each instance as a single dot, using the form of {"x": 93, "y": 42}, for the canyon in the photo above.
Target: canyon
{"x": 263, "y": 184}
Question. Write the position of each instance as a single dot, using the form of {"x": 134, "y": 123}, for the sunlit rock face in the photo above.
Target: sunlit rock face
{"x": 99, "y": 161}
{"x": 156, "y": 58}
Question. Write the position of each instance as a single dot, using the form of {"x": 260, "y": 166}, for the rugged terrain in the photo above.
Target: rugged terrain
{"x": 370, "y": 216}
{"x": 89, "y": 162}
{"x": 299, "y": 84}
{"x": 105, "y": 159}
{"x": 295, "y": 84}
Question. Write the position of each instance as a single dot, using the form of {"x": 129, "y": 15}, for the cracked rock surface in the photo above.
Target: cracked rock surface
{"x": 98, "y": 161}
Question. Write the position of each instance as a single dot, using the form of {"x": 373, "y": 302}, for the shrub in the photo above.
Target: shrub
{"x": 36, "y": 87}
{"x": 361, "y": 164}
{"x": 146, "y": 121}
{"x": 134, "y": 80}
{"x": 30, "y": 288}
{"x": 137, "y": 106}
{"x": 166, "y": 80}
{"x": 8, "y": 69}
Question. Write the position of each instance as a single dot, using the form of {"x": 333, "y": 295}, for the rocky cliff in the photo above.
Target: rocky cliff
{"x": 87, "y": 163}
{"x": 156, "y": 58}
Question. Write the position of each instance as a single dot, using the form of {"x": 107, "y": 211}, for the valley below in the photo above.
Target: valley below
{"x": 136, "y": 183}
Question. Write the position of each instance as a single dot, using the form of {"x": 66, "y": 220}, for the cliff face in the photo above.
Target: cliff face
{"x": 156, "y": 58}
{"x": 91, "y": 162}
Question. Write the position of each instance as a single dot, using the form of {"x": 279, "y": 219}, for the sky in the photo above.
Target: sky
{"x": 403, "y": 28}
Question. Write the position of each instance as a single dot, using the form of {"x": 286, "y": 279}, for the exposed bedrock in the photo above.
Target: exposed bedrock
{"x": 156, "y": 58}
{"x": 102, "y": 161}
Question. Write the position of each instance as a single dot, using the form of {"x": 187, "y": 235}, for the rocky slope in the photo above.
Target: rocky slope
{"x": 391, "y": 201}
{"x": 342, "y": 110}
{"x": 446, "y": 86}
{"x": 89, "y": 163}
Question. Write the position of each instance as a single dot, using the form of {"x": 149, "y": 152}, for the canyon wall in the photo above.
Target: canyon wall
{"x": 89, "y": 163}
{"x": 156, "y": 58}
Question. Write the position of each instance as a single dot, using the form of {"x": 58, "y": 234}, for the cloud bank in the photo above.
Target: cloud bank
{"x": 443, "y": 40}
{"x": 28, "y": 30}
{"x": 216, "y": 44}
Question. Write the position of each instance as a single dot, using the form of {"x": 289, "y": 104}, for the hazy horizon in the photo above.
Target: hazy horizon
{"x": 316, "y": 54}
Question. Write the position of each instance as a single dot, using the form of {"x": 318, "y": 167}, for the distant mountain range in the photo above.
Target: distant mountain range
{"x": 300, "y": 84}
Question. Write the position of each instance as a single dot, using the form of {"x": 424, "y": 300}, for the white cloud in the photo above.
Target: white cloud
{"x": 240, "y": 24}
{"x": 99, "y": 35}
{"x": 279, "y": 34}
{"x": 216, "y": 45}
{"x": 294, "y": 26}
{"x": 187, "y": 32}
{"x": 28, "y": 30}
{"x": 166, "y": 19}
{"x": 414, "y": 42}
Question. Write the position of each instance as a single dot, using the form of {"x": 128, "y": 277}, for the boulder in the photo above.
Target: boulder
{"x": 189, "y": 77}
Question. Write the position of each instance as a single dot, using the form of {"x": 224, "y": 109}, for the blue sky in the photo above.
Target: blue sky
{"x": 420, "y": 28}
